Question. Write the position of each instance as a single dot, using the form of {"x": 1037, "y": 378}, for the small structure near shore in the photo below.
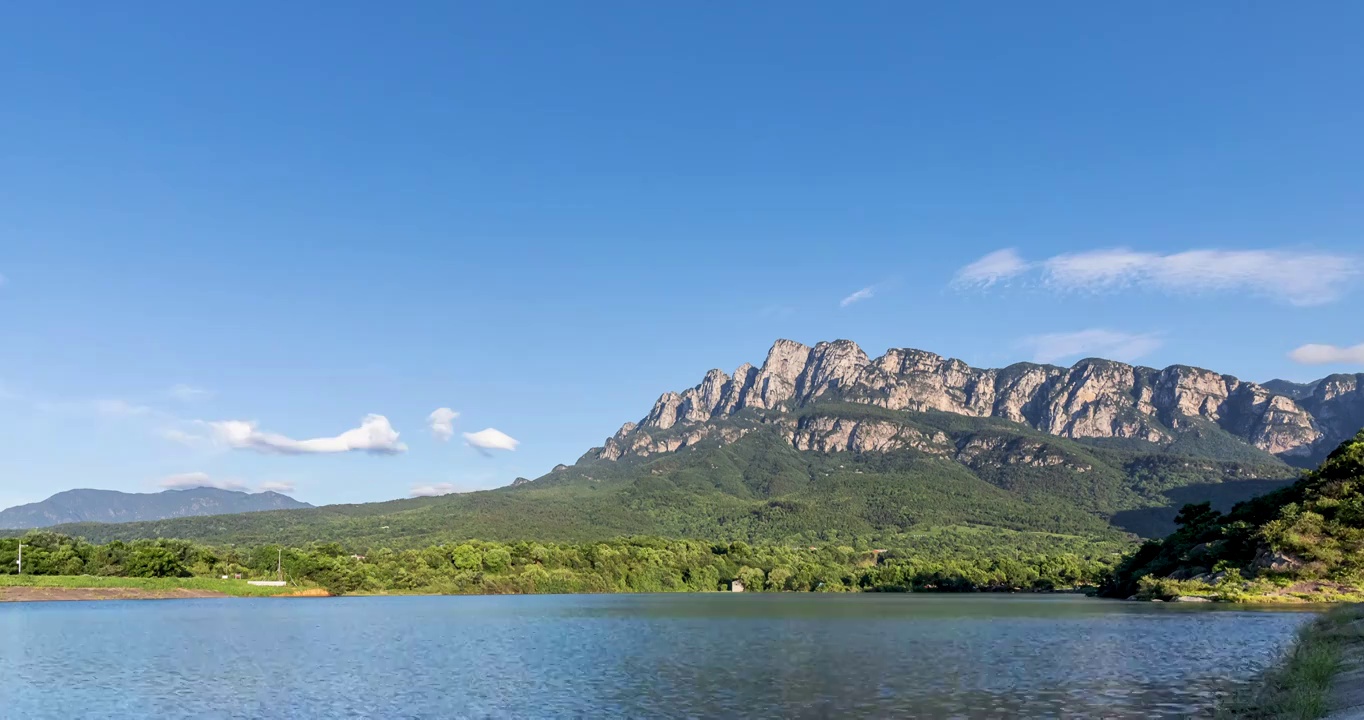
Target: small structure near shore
{"x": 267, "y": 583}
{"x": 736, "y": 586}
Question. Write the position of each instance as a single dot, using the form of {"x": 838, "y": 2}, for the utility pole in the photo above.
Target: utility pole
{"x": 21, "y": 558}
{"x": 281, "y": 564}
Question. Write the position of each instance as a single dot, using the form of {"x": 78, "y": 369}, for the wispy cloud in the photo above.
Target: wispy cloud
{"x": 432, "y": 490}
{"x": 120, "y": 408}
{"x": 1328, "y": 355}
{"x": 182, "y": 437}
{"x": 491, "y": 439}
{"x": 865, "y": 293}
{"x": 1297, "y": 278}
{"x": 114, "y": 408}
{"x": 188, "y": 393}
{"x": 185, "y": 481}
{"x": 442, "y": 423}
{"x": 1125, "y": 347}
{"x": 375, "y": 435}
{"x": 998, "y": 266}
{"x": 189, "y": 480}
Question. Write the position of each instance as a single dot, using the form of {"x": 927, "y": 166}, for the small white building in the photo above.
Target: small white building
{"x": 736, "y": 586}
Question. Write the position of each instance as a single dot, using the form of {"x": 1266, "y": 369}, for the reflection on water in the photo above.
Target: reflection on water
{"x": 800, "y": 656}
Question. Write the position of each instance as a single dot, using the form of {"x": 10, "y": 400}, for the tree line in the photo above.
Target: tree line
{"x": 640, "y": 564}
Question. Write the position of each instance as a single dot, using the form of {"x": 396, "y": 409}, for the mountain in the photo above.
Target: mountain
{"x": 1305, "y": 541}
{"x": 908, "y": 450}
{"x": 1295, "y": 390}
{"x": 108, "y": 506}
{"x": 1179, "y": 408}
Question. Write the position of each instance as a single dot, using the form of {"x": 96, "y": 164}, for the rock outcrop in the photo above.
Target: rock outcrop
{"x": 1092, "y": 399}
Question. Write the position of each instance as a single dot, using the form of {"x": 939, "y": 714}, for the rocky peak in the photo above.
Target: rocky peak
{"x": 1094, "y": 398}
{"x": 733, "y": 394}
{"x": 1331, "y": 387}
{"x": 703, "y": 400}
{"x": 775, "y": 382}
{"x": 664, "y": 415}
{"x": 831, "y": 366}
{"x": 1337, "y": 403}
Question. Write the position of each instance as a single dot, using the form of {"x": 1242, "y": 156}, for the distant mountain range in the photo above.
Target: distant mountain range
{"x": 109, "y": 506}
{"x": 824, "y": 443}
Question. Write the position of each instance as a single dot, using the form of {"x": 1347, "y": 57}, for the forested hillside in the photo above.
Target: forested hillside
{"x": 1305, "y": 541}
{"x": 1020, "y": 485}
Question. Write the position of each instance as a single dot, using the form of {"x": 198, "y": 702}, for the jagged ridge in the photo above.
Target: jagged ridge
{"x": 1092, "y": 399}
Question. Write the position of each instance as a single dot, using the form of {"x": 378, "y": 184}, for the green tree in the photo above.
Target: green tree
{"x": 155, "y": 562}
{"x": 753, "y": 578}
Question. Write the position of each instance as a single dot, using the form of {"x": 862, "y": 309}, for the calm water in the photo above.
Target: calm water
{"x": 628, "y": 656}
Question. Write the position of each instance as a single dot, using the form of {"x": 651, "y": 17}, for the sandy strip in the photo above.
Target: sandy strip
{"x": 49, "y": 594}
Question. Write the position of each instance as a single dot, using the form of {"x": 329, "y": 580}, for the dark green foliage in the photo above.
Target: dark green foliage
{"x": 155, "y": 562}
{"x": 1310, "y": 531}
{"x": 49, "y": 553}
{"x": 642, "y": 564}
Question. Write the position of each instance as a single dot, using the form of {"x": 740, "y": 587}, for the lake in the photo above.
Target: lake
{"x": 702, "y": 655}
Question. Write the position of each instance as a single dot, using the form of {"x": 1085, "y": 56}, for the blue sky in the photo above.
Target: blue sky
{"x": 542, "y": 215}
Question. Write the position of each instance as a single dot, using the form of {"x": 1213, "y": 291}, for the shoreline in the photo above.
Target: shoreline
{"x": 1320, "y": 676}
{"x": 35, "y": 593}
{"x": 92, "y": 589}
{"x": 25, "y": 594}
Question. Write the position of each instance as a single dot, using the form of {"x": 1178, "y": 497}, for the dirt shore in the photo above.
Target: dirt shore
{"x": 50, "y": 594}
{"x": 1347, "y": 692}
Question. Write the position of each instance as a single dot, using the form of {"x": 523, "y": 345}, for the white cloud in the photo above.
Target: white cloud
{"x": 865, "y": 293}
{"x": 1297, "y": 278}
{"x": 1125, "y": 347}
{"x": 432, "y": 490}
{"x": 185, "y": 481}
{"x": 491, "y": 439}
{"x": 1329, "y": 355}
{"x": 277, "y": 486}
{"x": 189, "y": 393}
{"x": 997, "y": 266}
{"x": 375, "y": 435}
{"x": 442, "y": 423}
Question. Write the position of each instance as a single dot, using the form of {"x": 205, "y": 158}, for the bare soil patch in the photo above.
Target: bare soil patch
{"x": 52, "y": 594}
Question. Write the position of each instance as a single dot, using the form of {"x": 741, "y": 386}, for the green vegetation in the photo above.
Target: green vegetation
{"x": 985, "y": 473}
{"x": 1303, "y": 542}
{"x": 1298, "y": 688}
{"x": 628, "y": 565}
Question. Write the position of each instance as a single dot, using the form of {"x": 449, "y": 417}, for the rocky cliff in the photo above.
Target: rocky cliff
{"x": 1092, "y": 399}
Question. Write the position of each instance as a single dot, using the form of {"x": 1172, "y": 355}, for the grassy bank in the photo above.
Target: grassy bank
{"x": 1300, "y": 686}
{"x": 1232, "y": 588}
{"x": 235, "y": 588}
